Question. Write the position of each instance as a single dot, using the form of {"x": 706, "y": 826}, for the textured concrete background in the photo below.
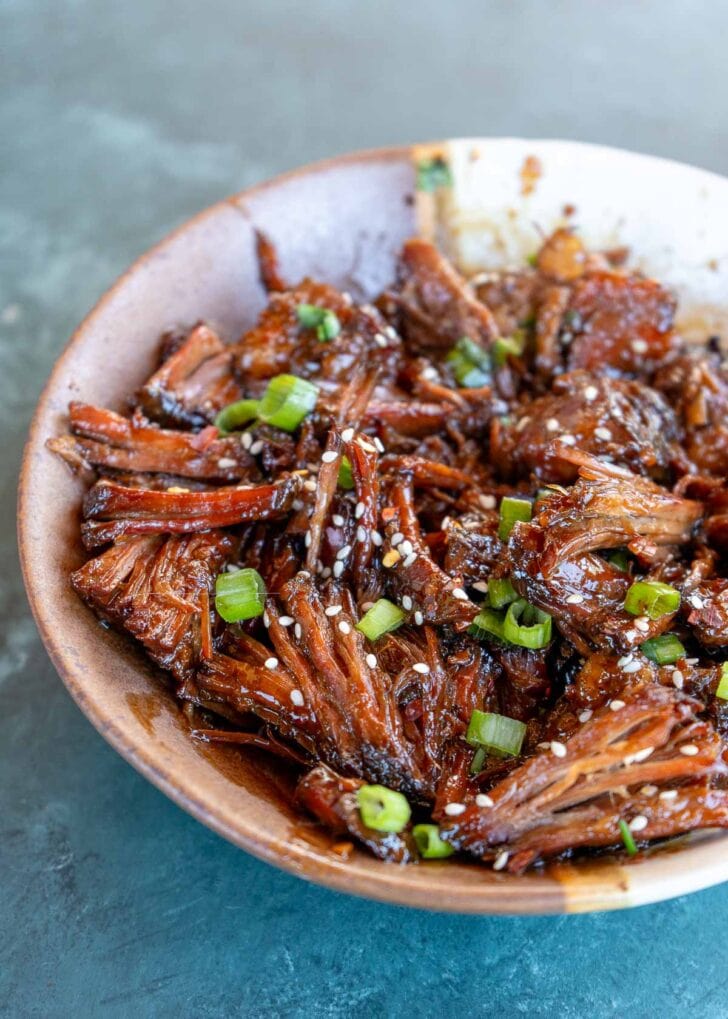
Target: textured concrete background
{"x": 117, "y": 121}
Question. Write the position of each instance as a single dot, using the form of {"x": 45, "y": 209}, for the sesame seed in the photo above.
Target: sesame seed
{"x": 522, "y": 424}
{"x": 638, "y": 823}
{"x": 297, "y": 698}
{"x": 410, "y": 559}
{"x": 483, "y": 800}
{"x": 343, "y": 552}
{"x": 256, "y": 447}
{"x": 640, "y": 346}
{"x": 348, "y": 434}
{"x": 232, "y": 568}
{"x": 361, "y": 533}
{"x": 455, "y": 809}
{"x": 428, "y": 373}
{"x": 575, "y": 599}
{"x": 642, "y": 625}
{"x": 307, "y": 539}
{"x": 329, "y": 456}
{"x": 226, "y": 461}
{"x": 696, "y": 602}
{"x": 405, "y": 547}
{"x": 689, "y": 750}
{"x": 337, "y": 520}
{"x": 338, "y": 569}
{"x": 678, "y": 680}
{"x": 390, "y": 332}
{"x": 419, "y": 618}
{"x": 391, "y": 557}
{"x": 271, "y": 663}
{"x": 501, "y": 860}
{"x": 585, "y": 715}
{"x": 178, "y": 490}
{"x": 406, "y": 602}
{"x": 367, "y": 446}
{"x": 616, "y": 705}
{"x": 603, "y": 433}
{"x": 396, "y": 538}
{"x": 668, "y": 794}
{"x": 381, "y": 341}
{"x": 377, "y": 539}
{"x": 422, "y": 667}
{"x": 648, "y": 790}
{"x": 333, "y": 610}
{"x": 567, "y": 440}
{"x": 366, "y": 605}
{"x": 557, "y": 749}
{"x": 371, "y": 661}
{"x": 246, "y": 440}
{"x": 359, "y": 510}
{"x": 344, "y": 627}
{"x": 591, "y": 393}
{"x": 624, "y": 660}
{"x": 692, "y": 661}
{"x": 266, "y": 619}
{"x": 631, "y": 668}
{"x": 487, "y": 501}
{"x": 457, "y": 592}
{"x": 643, "y": 754}
{"x": 286, "y": 620}
{"x": 378, "y": 443}
{"x": 480, "y": 585}
{"x": 325, "y": 573}
{"x": 297, "y": 631}
{"x": 310, "y": 485}
{"x": 297, "y": 505}
{"x": 552, "y": 425}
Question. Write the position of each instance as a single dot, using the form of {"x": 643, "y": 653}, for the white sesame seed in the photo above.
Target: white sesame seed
{"x": 378, "y": 443}
{"x": 410, "y": 559}
{"x": 483, "y": 800}
{"x": 390, "y": 332}
{"x": 361, "y": 533}
{"x": 501, "y": 860}
{"x": 337, "y": 520}
{"x": 377, "y": 539}
{"x": 630, "y": 634}
{"x": 297, "y": 698}
{"x": 359, "y": 510}
{"x": 367, "y": 446}
{"x": 643, "y": 754}
{"x": 639, "y": 346}
{"x": 226, "y": 461}
{"x": 246, "y": 440}
{"x": 371, "y": 661}
{"x": 552, "y": 425}
{"x": 603, "y": 433}
{"x": 638, "y": 823}
{"x": 266, "y": 619}
{"x": 297, "y": 505}
{"x": 366, "y": 605}
{"x": 689, "y": 750}
{"x": 309, "y": 485}
{"x": 457, "y": 592}
{"x": 343, "y": 552}
{"x": 631, "y": 668}
{"x": 648, "y": 790}
{"x": 543, "y": 746}
{"x": 286, "y": 620}
{"x": 419, "y": 618}
{"x": 405, "y": 547}
{"x": 642, "y": 624}
{"x": 232, "y": 568}
{"x": 406, "y": 602}
{"x": 678, "y": 680}
{"x": 422, "y": 667}
{"x": 696, "y": 602}
{"x": 297, "y": 631}
{"x": 522, "y": 424}
{"x": 329, "y": 456}
{"x": 333, "y": 610}
{"x": 256, "y": 447}
{"x": 480, "y": 585}
{"x": 428, "y": 373}
{"x": 692, "y": 661}
{"x": 271, "y": 663}
{"x": 557, "y": 749}
{"x": 396, "y": 538}
{"x": 348, "y": 434}
{"x": 487, "y": 501}
{"x": 325, "y": 573}
{"x": 585, "y": 715}
{"x": 344, "y": 627}
{"x": 381, "y": 341}
{"x": 455, "y": 809}
{"x": 616, "y": 705}
{"x": 624, "y": 660}
{"x": 307, "y": 539}
{"x": 567, "y": 440}
{"x": 575, "y": 599}
{"x": 591, "y": 393}
{"x": 338, "y": 569}
{"x": 668, "y": 794}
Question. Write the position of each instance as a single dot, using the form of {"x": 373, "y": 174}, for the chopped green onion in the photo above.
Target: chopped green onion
{"x": 236, "y": 414}
{"x": 433, "y": 174}
{"x": 383, "y": 617}
{"x": 722, "y": 690}
{"x": 533, "y": 632}
{"x": 470, "y": 364}
{"x": 323, "y": 320}
{"x": 532, "y": 259}
{"x": 478, "y": 761}
{"x": 619, "y": 558}
{"x": 346, "y": 478}
{"x": 286, "y": 401}
{"x": 508, "y": 346}
{"x": 239, "y": 595}
{"x": 511, "y": 510}
{"x": 383, "y": 809}
{"x": 487, "y": 624}
{"x": 651, "y": 598}
{"x": 629, "y": 843}
{"x": 663, "y": 650}
{"x": 429, "y": 843}
{"x": 501, "y": 592}
{"x": 498, "y": 734}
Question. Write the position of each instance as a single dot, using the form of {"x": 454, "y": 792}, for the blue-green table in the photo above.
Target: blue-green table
{"x": 117, "y": 121}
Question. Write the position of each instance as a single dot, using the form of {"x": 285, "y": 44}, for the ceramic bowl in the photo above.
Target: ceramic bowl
{"x": 343, "y": 221}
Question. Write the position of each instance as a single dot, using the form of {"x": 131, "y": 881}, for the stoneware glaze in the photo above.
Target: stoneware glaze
{"x": 343, "y": 221}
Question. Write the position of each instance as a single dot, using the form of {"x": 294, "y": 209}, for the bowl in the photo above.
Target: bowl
{"x": 343, "y": 221}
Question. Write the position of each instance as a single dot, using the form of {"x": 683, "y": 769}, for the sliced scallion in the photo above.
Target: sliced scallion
{"x": 286, "y": 401}
{"x": 239, "y": 595}
{"x": 487, "y": 624}
{"x": 627, "y": 838}
{"x": 619, "y": 558}
{"x": 323, "y": 320}
{"x": 651, "y": 598}
{"x": 497, "y": 734}
{"x": 663, "y": 650}
{"x": 429, "y": 844}
{"x": 526, "y": 626}
{"x": 432, "y": 174}
{"x": 511, "y": 510}
{"x": 501, "y": 592}
{"x": 242, "y": 412}
{"x": 470, "y": 364}
{"x": 383, "y": 617}
{"x": 722, "y": 689}
{"x": 346, "y": 478}
{"x": 383, "y": 809}
{"x": 508, "y": 346}
{"x": 476, "y": 765}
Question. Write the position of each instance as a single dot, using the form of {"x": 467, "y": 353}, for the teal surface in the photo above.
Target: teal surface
{"x": 117, "y": 121}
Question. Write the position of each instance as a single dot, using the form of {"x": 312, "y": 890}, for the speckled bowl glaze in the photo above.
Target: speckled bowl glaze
{"x": 343, "y": 221}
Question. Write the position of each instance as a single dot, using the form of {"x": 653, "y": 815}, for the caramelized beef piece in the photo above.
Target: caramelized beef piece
{"x": 696, "y": 384}
{"x": 268, "y": 267}
{"x": 158, "y": 590}
{"x": 549, "y": 319}
{"x": 622, "y": 421}
{"x": 562, "y": 256}
{"x": 511, "y": 296}
{"x": 614, "y": 767}
{"x": 472, "y": 547}
{"x": 707, "y": 608}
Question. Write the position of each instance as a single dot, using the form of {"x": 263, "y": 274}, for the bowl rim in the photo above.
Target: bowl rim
{"x": 607, "y": 885}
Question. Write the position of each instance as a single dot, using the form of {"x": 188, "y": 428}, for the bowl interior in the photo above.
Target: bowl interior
{"x": 342, "y": 221}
